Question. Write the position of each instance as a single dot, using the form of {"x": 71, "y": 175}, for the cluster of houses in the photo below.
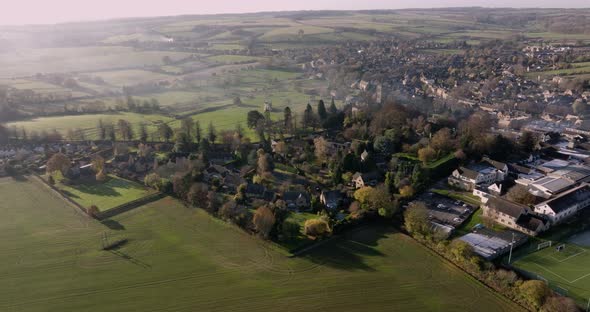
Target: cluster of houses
{"x": 557, "y": 181}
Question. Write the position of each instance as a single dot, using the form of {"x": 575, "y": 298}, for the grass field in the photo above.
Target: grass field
{"x": 113, "y": 193}
{"x": 86, "y": 122}
{"x": 567, "y": 271}
{"x": 180, "y": 259}
{"x": 29, "y": 62}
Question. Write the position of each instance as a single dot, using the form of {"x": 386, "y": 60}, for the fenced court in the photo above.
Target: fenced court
{"x": 564, "y": 266}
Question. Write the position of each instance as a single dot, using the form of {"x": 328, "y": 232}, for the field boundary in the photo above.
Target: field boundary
{"x": 60, "y": 194}
{"x": 108, "y": 213}
{"x": 467, "y": 274}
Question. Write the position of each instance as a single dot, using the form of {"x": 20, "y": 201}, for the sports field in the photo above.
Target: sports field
{"x": 179, "y": 259}
{"x": 567, "y": 270}
{"x": 107, "y": 195}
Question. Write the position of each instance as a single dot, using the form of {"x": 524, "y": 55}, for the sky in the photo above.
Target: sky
{"x": 16, "y": 12}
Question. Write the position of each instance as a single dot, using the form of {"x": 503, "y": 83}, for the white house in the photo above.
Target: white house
{"x": 565, "y": 205}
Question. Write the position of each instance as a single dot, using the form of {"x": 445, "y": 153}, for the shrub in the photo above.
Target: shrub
{"x": 316, "y": 228}
{"x": 93, "y": 211}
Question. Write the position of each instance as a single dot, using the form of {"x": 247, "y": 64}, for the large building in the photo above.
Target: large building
{"x": 481, "y": 175}
{"x": 565, "y": 205}
{"x": 514, "y": 216}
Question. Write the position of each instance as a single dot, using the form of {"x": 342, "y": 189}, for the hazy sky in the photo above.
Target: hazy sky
{"x": 55, "y": 11}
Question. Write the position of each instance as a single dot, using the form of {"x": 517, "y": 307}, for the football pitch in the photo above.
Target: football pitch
{"x": 564, "y": 266}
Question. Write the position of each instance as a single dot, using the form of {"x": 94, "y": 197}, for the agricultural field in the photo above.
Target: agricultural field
{"x": 129, "y": 77}
{"x": 87, "y": 123}
{"x": 181, "y": 259}
{"x": 110, "y": 194}
{"x": 58, "y": 60}
{"x": 566, "y": 271}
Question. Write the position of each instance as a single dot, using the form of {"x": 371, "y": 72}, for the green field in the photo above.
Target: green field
{"x": 29, "y": 62}
{"x": 567, "y": 270}
{"x": 180, "y": 259}
{"x": 113, "y": 193}
{"x": 87, "y": 123}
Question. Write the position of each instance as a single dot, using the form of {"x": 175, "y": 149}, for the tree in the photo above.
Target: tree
{"x": 534, "y": 292}
{"x": 307, "y": 116}
{"x": 58, "y": 162}
{"x": 197, "y": 194}
{"x": 416, "y": 220}
{"x": 316, "y": 227}
{"x": 442, "y": 141}
{"x": 93, "y": 211}
{"x": 110, "y": 132}
{"x": 322, "y": 113}
{"x": 460, "y": 250}
{"x": 51, "y": 180}
{"x": 237, "y": 101}
{"x": 143, "y": 135}
{"x": 211, "y": 133}
{"x": 254, "y": 117}
{"x": 187, "y": 126}
{"x": 281, "y": 148}
{"x": 426, "y": 154}
{"x": 264, "y": 220}
{"x": 332, "y": 110}
{"x": 101, "y": 176}
{"x": 183, "y": 142}
{"x": 165, "y": 131}
{"x": 212, "y": 202}
{"x": 288, "y": 118}
{"x": 407, "y": 191}
{"x": 290, "y": 229}
{"x": 264, "y": 163}
{"x": 198, "y": 131}
{"x": 520, "y": 194}
{"x": 321, "y": 148}
{"x": 527, "y": 142}
{"x": 102, "y": 131}
{"x": 98, "y": 163}
{"x": 153, "y": 180}
{"x": 125, "y": 130}
{"x": 377, "y": 199}
{"x": 383, "y": 144}
{"x": 560, "y": 304}
{"x": 579, "y": 107}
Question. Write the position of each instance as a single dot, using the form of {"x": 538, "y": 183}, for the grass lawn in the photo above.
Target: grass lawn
{"x": 180, "y": 259}
{"x": 462, "y": 196}
{"x": 113, "y": 193}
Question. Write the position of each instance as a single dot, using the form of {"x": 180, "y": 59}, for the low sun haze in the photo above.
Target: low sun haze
{"x": 59, "y": 11}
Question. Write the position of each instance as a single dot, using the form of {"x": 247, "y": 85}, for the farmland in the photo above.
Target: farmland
{"x": 87, "y": 122}
{"x": 219, "y": 66}
{"x": 182, "y": 259}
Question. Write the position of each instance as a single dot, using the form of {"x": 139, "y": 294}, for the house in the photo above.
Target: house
{"x": 231, "y": 182}
{"x": 258, "y": 191}
{"x": 332, "y": 199}
{"x": 365, "y": 179}
{"x": 565, "y": 205}
{"x": 480, "y": 175}
{"x": 297, "y": 200}
{"x": 215, "y": 172}
{"x": 514, "y": 216}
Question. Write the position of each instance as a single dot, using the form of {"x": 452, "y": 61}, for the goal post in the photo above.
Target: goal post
{"x": 544, "y": 245}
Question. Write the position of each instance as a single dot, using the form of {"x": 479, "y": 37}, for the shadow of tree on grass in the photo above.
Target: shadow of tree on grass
{"x": 350, "y": 251}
